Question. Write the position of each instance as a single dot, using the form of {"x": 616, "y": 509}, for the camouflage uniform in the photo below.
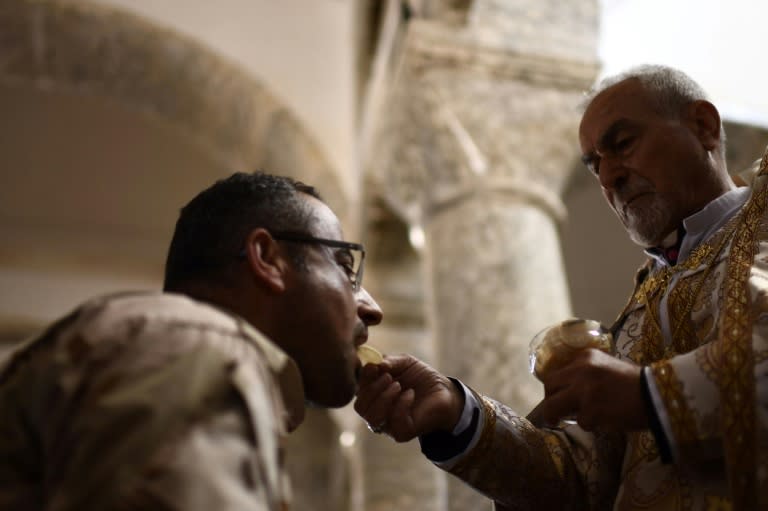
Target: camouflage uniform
{"x": 146, "y": 401}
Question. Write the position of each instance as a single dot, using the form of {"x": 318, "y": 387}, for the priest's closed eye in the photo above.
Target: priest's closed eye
{"x": 623, "y": 143}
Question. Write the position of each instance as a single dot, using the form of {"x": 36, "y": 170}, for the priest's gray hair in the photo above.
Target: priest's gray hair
{"x": 670, "y": 88}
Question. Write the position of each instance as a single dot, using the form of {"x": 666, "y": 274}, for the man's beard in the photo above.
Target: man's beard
{"x": 647, "y": 226}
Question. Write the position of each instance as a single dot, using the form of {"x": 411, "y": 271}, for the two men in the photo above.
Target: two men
{"x": 178, "y": 400}
{"x": 678, "y": 418}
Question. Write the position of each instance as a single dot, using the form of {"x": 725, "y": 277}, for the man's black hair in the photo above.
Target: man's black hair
{"x": 211, "y": 230}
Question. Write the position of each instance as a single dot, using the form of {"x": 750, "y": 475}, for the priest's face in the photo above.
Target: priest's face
{"x": 653, "y": 169}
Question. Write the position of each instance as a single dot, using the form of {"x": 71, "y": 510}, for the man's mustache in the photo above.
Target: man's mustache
{"x": 629, "y": 191}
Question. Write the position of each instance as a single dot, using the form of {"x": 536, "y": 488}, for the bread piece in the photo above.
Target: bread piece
{"x": 369, "y": 355}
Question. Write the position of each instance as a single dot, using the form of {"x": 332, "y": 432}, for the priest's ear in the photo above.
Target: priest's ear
{"x": 703, "y": 119}
{"x": 265, "y": 259}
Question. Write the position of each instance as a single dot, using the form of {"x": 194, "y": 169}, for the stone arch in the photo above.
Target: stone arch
{"x": 74, "y": 229}
{"x": 65, "y": 63}
{"x": 83, "y": 47}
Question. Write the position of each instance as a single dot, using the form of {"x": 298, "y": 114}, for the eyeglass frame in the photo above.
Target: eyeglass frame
{"x": 357, "y": 283}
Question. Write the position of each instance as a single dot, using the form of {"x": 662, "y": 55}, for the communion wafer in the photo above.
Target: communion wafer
{"x": 369, "y": 355}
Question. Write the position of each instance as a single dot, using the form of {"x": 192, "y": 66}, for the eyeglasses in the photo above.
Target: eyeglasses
{"x": 351, "y": 257}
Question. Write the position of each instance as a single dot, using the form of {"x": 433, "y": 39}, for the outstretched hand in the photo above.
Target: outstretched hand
{"x": 407, "y": 398}
{"x": 599, "y": 390}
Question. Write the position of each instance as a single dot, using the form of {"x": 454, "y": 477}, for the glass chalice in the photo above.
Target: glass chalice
{"x": 555, "y": 346}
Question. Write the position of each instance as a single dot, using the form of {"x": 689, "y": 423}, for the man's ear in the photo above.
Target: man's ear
{"x": 265, "y": 259}
{"x": 704, "y": 120}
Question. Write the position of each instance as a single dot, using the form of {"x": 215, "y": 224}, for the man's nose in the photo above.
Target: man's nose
{"x": 367, "y": 308}
{"x": 613, "y": 173}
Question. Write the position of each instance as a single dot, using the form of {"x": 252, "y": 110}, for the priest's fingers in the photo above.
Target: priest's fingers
{"x": 368, "y": 374}
{"x": 400, "y": 423}
{"x": 601, "y": 391}
{"x": 375, "y": 401}
{"x": 370, "y": 388}
{"x": 556, "y": 407}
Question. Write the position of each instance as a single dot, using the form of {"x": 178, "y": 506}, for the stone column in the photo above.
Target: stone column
{"x": 397, "y": 476}
{"x": 478, "y": 138}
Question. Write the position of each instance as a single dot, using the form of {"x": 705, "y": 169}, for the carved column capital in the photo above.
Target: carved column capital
{"x": 467, "y": 118}
{"x": 476, "y": 144}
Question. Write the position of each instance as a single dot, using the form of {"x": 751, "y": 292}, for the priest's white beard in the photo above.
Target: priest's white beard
{"x": 646, "y": 226}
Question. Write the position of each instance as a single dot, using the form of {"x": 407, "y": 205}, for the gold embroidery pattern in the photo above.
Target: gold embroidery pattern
{"x": 642, "y": 449}
{"x": 681, "y": 302}
{"x": 708, "y": 359}
{"x": 485, "y": 441}
{"x": 557, "y": 453}
{"x": 640, "y": 277}
{"x": 658, "y": 281}
{"x": 718, "y": 504}
{"x": 672, "y": 489}
{"x": 680, "y": 415}
{"x": 636, "y": 333}
{"x": 692, "y": 295}
{"x": 644, "y": 446}
{"x": 736, "y": 378}
{"x": 707, "y": 305}
{"x": 729, "y": 361}
{"x": 653, "y": 349}
{"x": 511, "y": 454}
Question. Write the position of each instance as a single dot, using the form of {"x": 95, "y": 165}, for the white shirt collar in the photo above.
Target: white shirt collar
{"x": 705, "y": 222}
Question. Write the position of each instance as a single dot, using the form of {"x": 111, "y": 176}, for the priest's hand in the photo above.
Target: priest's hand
{"x": 405, "y": 398}
{"x": 600, "y": 391}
